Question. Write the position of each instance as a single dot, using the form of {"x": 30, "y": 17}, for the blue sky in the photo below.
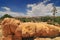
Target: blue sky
{"x": 17, "y": 5}
{"x": 21, "y": 6}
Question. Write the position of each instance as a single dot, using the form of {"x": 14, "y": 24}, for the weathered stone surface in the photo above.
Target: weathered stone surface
{"x": 9, "y": 37}
{"x": 28, "y": 29}
{"x": 9, "y": 26}
{"x": 16, "y": 38}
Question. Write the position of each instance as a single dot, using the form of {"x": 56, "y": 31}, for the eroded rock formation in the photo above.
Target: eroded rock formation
{"x": 9, "y": 26}
{"x": 18, "y": 30}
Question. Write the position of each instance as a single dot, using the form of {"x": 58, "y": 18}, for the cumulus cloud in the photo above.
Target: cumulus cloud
{"x": 58, "y": 11}
{"x": 8, "y": 11}
{"x": 31, "y": 5}
{"x": 14, "y": 14}
{"x": 6, "y": 8}
{"x": 40, "y": 9}
{"x": 45, "y": 1}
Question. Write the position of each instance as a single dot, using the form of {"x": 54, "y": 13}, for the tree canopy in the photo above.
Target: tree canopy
{"x": 5, "y": 16}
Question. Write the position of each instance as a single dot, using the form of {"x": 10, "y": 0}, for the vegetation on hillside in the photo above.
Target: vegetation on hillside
{"x": 6, "y": 15}
{"x": 36, "y": 19}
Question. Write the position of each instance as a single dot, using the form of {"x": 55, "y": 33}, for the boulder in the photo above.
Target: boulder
{"x": 9, "y": 26}
{"x": 28, "y": 29}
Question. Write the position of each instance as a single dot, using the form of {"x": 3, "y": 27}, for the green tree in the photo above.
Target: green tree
{"x": 5, "y": 16}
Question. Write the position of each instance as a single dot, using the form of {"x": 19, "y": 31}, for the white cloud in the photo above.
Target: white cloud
{"x": 37, "y": 10}
{"x": 30, "y": 5}
{"x": 40, "y": 9}
{"x": 45, "y": 1}
{"x": 58, "y": 11}
{"x": 6, "y": 8}
{"x": 8, "y": 11}
{"x": 14, "y": 14}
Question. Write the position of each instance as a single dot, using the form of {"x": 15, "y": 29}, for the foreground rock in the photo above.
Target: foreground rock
{"x": 30, "y": 29}
{"x": 9, "y": 26}
{"x": 14, "y": 29}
